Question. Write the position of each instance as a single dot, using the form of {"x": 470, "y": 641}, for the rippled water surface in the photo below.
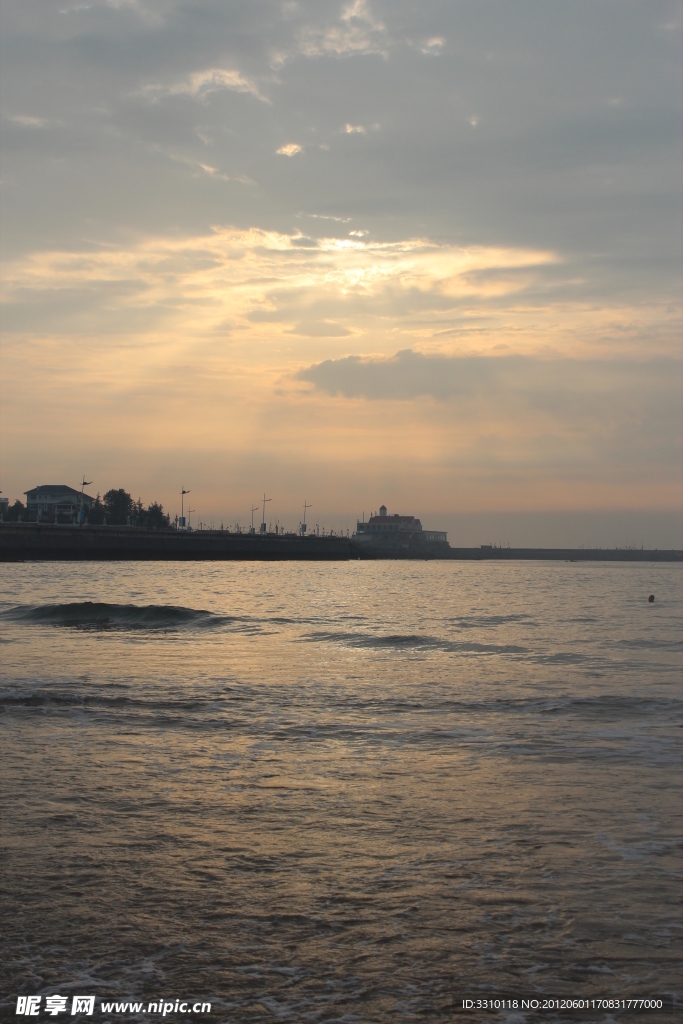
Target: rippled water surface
{"x": 354, "y": 792}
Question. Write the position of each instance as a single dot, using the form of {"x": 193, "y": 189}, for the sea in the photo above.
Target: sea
{"x": 363, "y": 791}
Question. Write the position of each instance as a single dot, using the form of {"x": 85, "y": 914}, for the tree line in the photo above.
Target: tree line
{"x": 119, "y": 509}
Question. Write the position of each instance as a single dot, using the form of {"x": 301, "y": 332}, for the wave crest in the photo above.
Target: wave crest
{"x": 410, "y": 641}
{"x": 101, "y": 616}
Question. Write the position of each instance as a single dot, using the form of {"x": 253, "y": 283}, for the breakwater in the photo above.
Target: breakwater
{"x": 45, "y": 542}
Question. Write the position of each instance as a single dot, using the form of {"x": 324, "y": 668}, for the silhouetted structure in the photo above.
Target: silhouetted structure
{"x": 396, "y": 530}
{"x": 50, "y": 503}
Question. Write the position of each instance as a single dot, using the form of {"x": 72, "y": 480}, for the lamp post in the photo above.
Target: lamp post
{"x": 263, "y": 524}
{"x": 183, "y": 492}
{"x": 84, "y": 484}
{"x": 303, "y": 526}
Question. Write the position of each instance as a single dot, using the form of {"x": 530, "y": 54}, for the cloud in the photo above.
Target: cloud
{"x": 200, "y": 84}
{"x": 596, "y": 409}
{"x": 408, "y": 292}
{"x": 291, "y": 149}
{"x": 320, "y": 329}
{"x": 357, "y": 32}
{"x": 433, "y": 46}
{"x": 344, "y": 265}
{"x": 143, "y": 11}
{"x": 573, "y": 428}
{"x": 351, "y": 129}
{"x": 135, "y": 254}
{"x": 29, "y": 122}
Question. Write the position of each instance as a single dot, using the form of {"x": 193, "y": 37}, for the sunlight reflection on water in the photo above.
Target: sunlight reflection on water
{"x": 340, "y": 792}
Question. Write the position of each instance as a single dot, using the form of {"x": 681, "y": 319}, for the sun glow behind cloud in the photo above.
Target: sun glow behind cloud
{"x": 240, "y": 269}
{"x": 205, "y": 339}
{"x": 241, "y": 284}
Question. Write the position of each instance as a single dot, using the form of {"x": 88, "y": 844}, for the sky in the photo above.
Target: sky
{"x": 350, "y": 253}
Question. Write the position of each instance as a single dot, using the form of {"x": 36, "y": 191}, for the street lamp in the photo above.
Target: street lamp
{"x": 183, "y": 492}
{"x": 84, "y": 484}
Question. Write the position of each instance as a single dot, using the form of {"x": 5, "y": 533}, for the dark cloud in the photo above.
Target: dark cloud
{"x": 643, "y": 395}
{"x": 576, "y": 413}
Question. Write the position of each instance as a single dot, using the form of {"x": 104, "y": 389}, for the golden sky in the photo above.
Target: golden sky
{"x": 352, "y": 253}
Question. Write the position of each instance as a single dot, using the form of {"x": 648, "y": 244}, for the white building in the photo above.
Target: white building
{"x": 51, "y": 503}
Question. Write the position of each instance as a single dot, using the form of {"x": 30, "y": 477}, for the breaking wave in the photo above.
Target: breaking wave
{"x": 100, "y": 616}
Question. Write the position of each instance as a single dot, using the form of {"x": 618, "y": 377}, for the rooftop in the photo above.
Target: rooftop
{"x": 395, "y": 518}
{"x": 57, "y": 489}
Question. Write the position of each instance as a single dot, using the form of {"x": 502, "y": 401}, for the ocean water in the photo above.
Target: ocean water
{"x": 346, "y": 792}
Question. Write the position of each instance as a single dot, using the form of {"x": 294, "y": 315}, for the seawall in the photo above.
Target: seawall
{"x": 45, "y": 542}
